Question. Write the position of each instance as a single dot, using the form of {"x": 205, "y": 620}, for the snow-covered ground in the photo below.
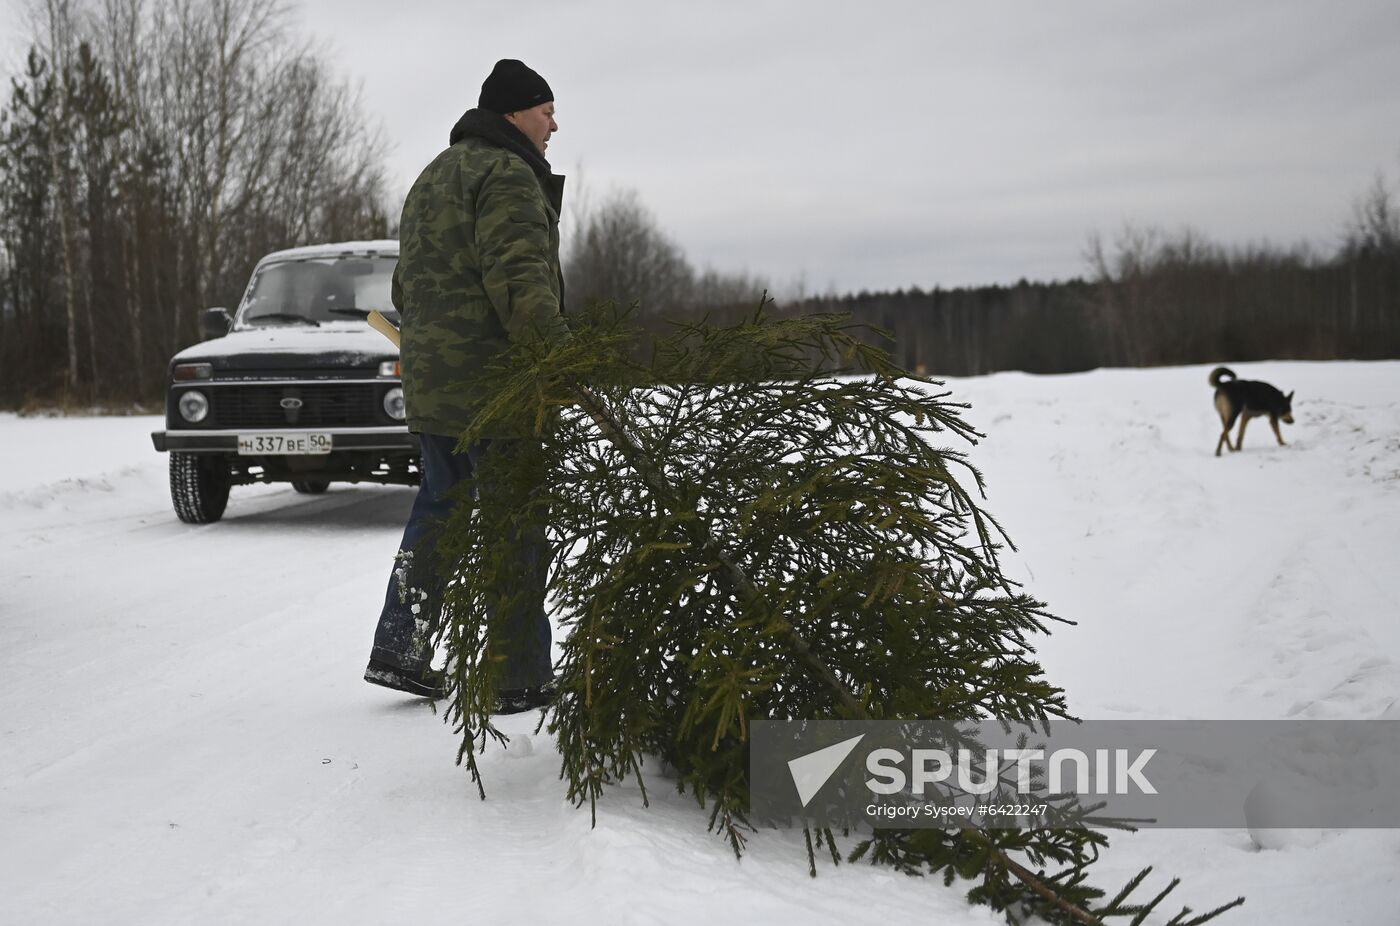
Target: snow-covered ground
{"x": 184, "y": 736}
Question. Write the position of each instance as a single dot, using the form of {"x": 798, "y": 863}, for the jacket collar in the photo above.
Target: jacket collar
{"x": 496, "y": 129}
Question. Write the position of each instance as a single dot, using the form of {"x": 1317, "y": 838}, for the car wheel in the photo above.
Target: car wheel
{"x": 199, "y": 485}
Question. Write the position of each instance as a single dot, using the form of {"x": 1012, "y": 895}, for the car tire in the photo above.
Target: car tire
{"x": 199, "y": 485}
{"x": 311, "y": 486}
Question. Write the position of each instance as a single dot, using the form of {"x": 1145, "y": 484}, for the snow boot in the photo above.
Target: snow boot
{"x": 520, "y": 700}
{"x": 425, "y": 682}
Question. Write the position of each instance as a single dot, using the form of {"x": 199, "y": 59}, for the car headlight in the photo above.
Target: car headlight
{"x": 391, "y": 368}
{"x": 194, "y": 407}
{"x": 394, "y": 404}
{"x": 188, "y": 371}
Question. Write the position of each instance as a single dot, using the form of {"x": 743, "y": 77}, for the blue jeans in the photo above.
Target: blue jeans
{"x": 413, "y": 602}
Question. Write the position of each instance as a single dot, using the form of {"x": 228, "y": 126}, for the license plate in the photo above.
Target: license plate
{"x": 278, "y": 444}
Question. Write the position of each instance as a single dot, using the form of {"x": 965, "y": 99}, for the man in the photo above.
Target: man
{"x": 478, "y": 270}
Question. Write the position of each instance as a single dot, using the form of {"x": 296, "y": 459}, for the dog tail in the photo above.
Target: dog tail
{"x": 1220, "y": 375}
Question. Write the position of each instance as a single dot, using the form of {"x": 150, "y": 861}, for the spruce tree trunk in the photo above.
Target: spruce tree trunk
{"x": 65, "y": 226}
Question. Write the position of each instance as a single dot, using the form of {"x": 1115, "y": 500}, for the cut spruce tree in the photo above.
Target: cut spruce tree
{"x": 760, "y": 520}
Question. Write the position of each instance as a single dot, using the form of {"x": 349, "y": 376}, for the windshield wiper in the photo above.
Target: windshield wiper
{"x": 282, "y": 317}
{"x": 363, "y": 313}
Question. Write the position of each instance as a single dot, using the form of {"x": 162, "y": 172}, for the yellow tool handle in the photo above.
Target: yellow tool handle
{"x": 379, "y": 323}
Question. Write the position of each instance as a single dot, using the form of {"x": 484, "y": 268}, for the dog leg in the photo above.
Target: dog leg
{"x": 1274, "y": 421}
{"x": 1239, "y": 438}
{"x": 1228, "y": 414}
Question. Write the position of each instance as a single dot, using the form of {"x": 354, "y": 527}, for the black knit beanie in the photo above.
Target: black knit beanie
{"x": 511, "y": 87}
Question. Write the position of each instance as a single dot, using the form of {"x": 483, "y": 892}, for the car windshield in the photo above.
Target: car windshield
{"x": 313, "y": 290}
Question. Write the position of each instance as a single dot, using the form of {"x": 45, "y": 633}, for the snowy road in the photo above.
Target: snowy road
{"x": 184, "y": 736}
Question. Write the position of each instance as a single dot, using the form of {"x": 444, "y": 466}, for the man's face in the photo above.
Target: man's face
{"x": 537, "y": 123}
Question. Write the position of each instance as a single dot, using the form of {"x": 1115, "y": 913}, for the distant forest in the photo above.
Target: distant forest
{"x": 1162, "y": 301}
{"x": 152, "y": 150}
{"x": 1150, "y": 298}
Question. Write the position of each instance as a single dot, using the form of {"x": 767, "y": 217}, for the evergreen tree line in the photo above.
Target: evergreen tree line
{"x": 1158, "y": 299}
{"x": 150, "y": 152}
{"x": 1151, "y": 298}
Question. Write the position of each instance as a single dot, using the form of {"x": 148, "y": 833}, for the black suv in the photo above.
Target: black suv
{"x": 295, "y": 387}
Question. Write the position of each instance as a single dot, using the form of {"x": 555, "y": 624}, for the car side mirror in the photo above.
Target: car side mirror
{"x": 215, "y": 323}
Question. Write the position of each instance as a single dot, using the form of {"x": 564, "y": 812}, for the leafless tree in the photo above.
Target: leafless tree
{"x": 180, "y": 140}
{"x": 617, "y": 252}
{"x": 1375, "y": 221}
{"x": 622, "y": 255}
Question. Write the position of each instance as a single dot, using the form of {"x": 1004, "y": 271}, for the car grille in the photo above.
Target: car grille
{"x": 323, "y": 405}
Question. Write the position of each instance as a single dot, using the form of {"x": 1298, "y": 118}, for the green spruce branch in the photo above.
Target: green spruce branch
{"x": 755, "y": 521}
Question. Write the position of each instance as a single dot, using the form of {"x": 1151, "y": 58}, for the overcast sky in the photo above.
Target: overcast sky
{"x": 868, "y": 144}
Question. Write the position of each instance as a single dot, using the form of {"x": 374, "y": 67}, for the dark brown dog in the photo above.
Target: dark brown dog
{"x": 1245, "y": 399}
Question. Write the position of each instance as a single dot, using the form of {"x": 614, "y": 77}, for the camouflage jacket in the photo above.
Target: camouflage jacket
{"x": 478, "y": 266}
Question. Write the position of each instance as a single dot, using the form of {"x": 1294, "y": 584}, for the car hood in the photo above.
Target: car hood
{"x": 337, "y": 345}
